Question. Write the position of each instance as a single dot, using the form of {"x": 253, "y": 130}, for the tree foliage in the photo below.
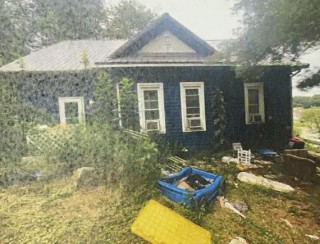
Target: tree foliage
{"x": 30, "y": 25}
{"x": 13, "y": 30}
{"x": 277, "y": 30}
{"x": 127, "y": 18}
{"x": 306, "y": 102}
{"x": 68, "y": 20}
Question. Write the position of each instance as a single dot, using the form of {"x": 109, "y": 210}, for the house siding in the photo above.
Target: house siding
{"x": 43, "y": 89}
{"x": 274, "y": 133}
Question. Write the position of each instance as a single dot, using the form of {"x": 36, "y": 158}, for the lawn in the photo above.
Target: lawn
{"x": 46, "y": 212}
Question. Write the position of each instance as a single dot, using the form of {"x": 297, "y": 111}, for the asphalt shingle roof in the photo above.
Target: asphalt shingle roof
{"x": 65, "y": 56}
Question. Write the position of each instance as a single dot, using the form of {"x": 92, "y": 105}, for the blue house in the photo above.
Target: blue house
{"x": 174, "y": 84}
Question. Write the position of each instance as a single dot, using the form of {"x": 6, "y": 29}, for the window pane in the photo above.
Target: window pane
{"x": 151, "y": 105}
{"x": 194, "y": 123}
{"x": 193, "y": 112}
{"x": 152, "y": 125}
{"x": 151, "y": 95}
{"x": 71, "y": 112}
{"x": 152, "y": 115}
{"x": 253, "y": 96}
{"x": 254, "y": 109}
{"x": 192, "y": 102}
{"x": 192, "y": 92}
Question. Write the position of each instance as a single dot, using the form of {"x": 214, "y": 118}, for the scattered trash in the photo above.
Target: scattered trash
{"x": 296, "y": 143}
{"x": 236, "y": 185}
{"x": 191, "y": 186}
{"x": 287, "y": 222}
{"x": 272, "y": 177}
{"x": 183, "y": 185}
{"x": 263, "y": 162}
{"x": 237, "y": 146}
{"x": 244, "y": 167}
{"x": 241, "y": 206}
{"x": 313, "y": 237}
{"x": 267, "y": 152}
{"x": 244, "y": 156}
{"x": 259, "y": 180}
{"x": 37, "y": 175}
{"x": 197, "y": 182}
{"x": 238, "y": 240}
{"x": 228, "y": 160}
{"x": 225, "y": 204}
{"x": 159, "y": 224}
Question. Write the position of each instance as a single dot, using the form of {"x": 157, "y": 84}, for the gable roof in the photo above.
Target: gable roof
{"x": 164, "y": 23}
{"x": 65, "y": 56}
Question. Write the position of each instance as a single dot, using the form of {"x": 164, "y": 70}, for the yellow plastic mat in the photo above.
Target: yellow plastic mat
{"x": 159, "y": 224}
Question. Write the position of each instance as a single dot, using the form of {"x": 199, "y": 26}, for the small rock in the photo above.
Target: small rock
{"x": 238, "y": 240}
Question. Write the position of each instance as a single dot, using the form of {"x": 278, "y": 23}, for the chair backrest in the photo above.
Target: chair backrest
{"x": 244, "y": 156}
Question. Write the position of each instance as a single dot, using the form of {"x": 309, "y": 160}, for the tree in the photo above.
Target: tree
{"x": 277, "y": 30}
{"x": 127, "y": 18}
{"x": 30, "y": 25}
{"x": 13, "y": 30}
{"x": 59, "y": 20}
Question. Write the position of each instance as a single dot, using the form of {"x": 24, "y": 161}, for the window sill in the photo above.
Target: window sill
{"x": 255, "y": 123}
{"x": 199, "y": 130}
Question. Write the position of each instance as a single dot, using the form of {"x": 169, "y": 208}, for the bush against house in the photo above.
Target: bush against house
{"x": 16, "y": 118}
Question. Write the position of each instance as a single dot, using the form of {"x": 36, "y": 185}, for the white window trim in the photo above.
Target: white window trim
{"x": 141, "y": 87}
{"x": 62, "y": 112}
{"x": 260, "y": 86}
{"x": 190, "y": 85}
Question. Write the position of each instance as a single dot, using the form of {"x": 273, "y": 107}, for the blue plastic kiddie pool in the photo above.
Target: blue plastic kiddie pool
{"x": 202, "y": 187}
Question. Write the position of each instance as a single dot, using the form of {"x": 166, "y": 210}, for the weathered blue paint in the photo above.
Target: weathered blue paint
{"x": 43, "y": 89}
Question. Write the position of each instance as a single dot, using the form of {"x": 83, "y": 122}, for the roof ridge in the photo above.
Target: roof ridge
{"x": 180, "y": 30}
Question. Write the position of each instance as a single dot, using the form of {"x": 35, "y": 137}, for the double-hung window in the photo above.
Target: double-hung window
{"x": 192, "y": 106}
{"x": 151, "y": 107}
{"x": 254, "y": 103}
{"x": 71, "y": 110}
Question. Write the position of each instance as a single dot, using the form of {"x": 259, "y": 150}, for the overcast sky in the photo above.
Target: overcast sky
{"x": 212, "y": 20}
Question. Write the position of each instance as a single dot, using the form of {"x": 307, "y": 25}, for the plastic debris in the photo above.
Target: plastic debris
{"x": 159, "y": 224}
{"x": 241, "y": 206}
{"x": 287, "y": 222}
{"x": 259, "y": 180}
{"x": 267, "y": 152}
{"x": 185, "y": 186}
{"x": 227, "y": 159}
{"x": 313, "y": 237}
{"x": 244, "y": 156}
{"x": 225, "y": 204}
{"x": 238, "y": 240}
{"x": 272, "y": 177}
{"x": 263, "y": 162}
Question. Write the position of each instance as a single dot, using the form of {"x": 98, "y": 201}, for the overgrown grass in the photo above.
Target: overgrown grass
{"x": 312, "y": 148}
{"x": 297, "y": 128}
{"x": 41, "y": 212}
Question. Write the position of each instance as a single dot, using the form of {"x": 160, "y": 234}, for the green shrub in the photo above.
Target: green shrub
{"x": 121, "y": 159}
